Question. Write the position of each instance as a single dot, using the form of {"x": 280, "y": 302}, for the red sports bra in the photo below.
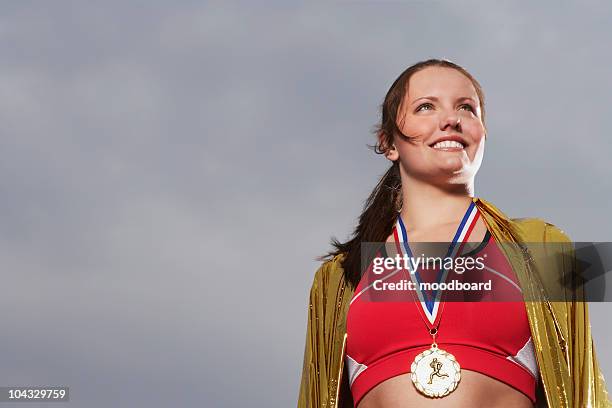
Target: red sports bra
{"x": 490, "y": 337}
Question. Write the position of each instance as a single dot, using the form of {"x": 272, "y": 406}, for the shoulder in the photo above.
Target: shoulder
{"x": 528, "y": 229}
{"x": 329, "y": 273}
{"x": 328, "y": 292}
{"x": 539, "y": 230}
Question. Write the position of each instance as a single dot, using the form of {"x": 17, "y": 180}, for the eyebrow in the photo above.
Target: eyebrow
{"x": 433, "y": 98}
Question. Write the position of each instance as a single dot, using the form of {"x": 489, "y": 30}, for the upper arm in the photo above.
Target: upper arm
{"x": 589, "y": 385}
{"x": 311, "y": 392}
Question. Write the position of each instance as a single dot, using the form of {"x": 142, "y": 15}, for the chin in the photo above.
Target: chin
{"x": 452, "y": 165}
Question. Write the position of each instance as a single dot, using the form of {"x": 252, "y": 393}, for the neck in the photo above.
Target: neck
{"x": 426, "y": 205}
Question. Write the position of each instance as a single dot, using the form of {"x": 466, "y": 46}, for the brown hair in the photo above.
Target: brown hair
{"x": 381, "y": 208}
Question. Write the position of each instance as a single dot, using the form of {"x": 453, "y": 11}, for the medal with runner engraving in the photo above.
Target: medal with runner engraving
{"x": 435, "y": 372}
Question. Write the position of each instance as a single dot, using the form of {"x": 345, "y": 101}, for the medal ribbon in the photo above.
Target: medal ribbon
{"x": 430, "y": 304}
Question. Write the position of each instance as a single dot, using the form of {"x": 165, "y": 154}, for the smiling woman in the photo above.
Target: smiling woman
{"x": 429, "y": 352}
{"x": 439, "y": 134}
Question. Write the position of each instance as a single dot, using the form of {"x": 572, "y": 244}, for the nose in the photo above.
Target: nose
{"x": 453, "y": 121}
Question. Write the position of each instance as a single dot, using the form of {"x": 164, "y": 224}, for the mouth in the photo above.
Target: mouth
{"x": 448, "y": 146}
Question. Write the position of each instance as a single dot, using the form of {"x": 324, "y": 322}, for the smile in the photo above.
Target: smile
{"x": 448, "y": 145}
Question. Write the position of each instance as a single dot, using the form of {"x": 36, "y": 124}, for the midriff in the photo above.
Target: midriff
{"x": 474, "y": 390}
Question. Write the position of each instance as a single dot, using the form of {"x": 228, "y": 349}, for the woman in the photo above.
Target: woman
{"x": 432, "y": 353}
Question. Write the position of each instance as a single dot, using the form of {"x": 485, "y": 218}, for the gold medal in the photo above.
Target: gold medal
{"x": 435, "y": 372}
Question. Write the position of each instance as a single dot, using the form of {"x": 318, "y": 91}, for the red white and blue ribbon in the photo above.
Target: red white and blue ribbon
{"x": 430, "y": 303}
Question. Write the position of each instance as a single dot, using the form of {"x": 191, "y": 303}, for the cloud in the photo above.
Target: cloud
{"x": 169, "y": 173}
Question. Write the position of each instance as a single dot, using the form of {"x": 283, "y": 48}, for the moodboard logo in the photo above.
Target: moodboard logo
{"x": 454, "y": 284}
{"x": 495, "y": 272}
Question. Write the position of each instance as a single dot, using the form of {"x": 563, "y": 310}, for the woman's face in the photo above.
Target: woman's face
{"x": 441, "y": 105}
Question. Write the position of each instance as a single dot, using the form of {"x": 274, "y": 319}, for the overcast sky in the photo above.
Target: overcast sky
{"x": 170, "y": 170}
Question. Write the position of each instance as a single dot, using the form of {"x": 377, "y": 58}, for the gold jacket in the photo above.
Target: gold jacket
{"x": 560, "y": 330}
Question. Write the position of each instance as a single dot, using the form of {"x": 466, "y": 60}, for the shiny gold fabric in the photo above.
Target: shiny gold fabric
{"x": 561, "y": 332}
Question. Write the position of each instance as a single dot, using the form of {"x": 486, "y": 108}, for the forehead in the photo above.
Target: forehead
{"x": 440, "y": 82}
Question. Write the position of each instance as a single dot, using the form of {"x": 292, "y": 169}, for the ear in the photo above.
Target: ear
{"x": 391, "y": 152}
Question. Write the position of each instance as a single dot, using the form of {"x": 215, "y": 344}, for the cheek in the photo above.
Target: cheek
{"x": 420, "y": 127}
{"x": 476, "y": 153}
{"x": 422, "y": 130}
{"x": 411, "y": 155}
{"x": 475, "y": 130}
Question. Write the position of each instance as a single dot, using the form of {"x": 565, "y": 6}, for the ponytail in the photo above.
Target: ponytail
{"x": 375, "y": 223}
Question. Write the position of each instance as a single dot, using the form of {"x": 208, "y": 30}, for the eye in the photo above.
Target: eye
{"x": 423, "y": 105}
{"x": 468, "y": 106}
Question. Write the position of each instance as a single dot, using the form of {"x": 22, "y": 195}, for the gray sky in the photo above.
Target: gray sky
{"x": 170, "y": 171}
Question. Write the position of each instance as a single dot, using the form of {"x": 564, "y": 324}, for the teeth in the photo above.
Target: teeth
{"x": 447, "y": 143}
